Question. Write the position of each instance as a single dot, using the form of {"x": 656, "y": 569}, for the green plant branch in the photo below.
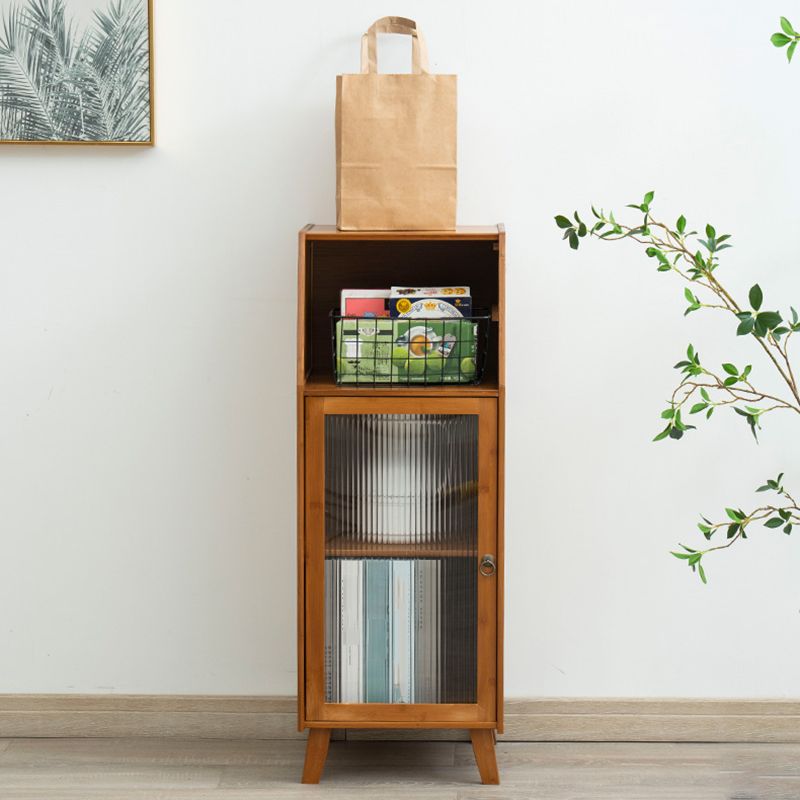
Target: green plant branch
{"x": 786, "y": 36}
{"x": 751, "y": 395}
{"x": 772, "y": 517}
{"x": 672, "y": 247}
{"x": 711, "y": 283}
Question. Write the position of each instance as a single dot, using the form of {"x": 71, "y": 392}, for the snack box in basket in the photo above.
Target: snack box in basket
{"x": 431, "y": 302}
{"x": 364, "y": 302}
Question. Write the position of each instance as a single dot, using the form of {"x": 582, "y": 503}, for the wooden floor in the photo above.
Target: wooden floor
{"x": 203, "y": 769}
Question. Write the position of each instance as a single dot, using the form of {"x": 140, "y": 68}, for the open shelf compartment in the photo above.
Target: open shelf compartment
{"x": 333, "y": 260}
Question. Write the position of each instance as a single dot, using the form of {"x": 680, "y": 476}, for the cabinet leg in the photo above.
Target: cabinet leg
{"x": 483, "y": 747}
{"x": 316, "y": 753}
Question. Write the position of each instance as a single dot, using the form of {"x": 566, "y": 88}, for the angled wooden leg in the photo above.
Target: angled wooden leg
{"x": 483, "y": 747}
{"x": 316, "y": 753}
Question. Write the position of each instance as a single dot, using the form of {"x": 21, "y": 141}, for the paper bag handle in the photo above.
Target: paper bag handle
{"x": 369, "y": 44}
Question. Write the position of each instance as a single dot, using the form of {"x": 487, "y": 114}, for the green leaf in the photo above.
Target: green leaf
{"x": 563, "y": 222}
{"x": 698, "y": 407}
{"x": 648, "y": 198}
{"x": 704, "y": 394}
{"x": 745, "y": 326}
{"x": 710, "y": 232}
{"x": 681, "y": 555}
{"x": 775, "y": 522}
{"x": 730, "y": 369}
{"x": 680, "y": 225}
{"x": 780, "y": 39}
{"x": 687, "y": 293}
{"x": 769, "y": 319}
{"x": 733, "y": 529}
{"x": 790, "y": 50}
{"x": 702, "y": 573}
{"x": 756, "y": 297}
{"x": 734, "y": 514}
{"x": 788, "y": 529}
{"x": 787, "y": 26}
{"x": 573, "y": 240}
{"x": 663, "y": 434}
{"x": 668, "y": 413}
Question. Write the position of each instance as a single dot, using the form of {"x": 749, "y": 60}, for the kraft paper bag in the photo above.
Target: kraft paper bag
{"x": 395, "y": 142}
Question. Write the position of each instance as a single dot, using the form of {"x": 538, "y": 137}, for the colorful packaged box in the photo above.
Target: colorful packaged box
{"x": 364, "y": 302}
{"x": 403, "y": 351}
{"x": 430, "y": 302}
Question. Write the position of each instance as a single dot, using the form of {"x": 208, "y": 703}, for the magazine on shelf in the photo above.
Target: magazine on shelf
{"x": 352, "y": 619}
{"x": 377, "y": 648}
{"x": 402, "y": 640}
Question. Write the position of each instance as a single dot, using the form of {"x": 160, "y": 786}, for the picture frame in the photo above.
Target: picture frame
{"x": 77, "y": 72}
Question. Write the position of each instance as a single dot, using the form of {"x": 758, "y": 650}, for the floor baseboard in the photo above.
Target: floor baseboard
{"x": 262, "y": 717}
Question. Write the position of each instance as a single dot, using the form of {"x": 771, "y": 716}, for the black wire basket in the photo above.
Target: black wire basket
{"x": 381, "y": 351}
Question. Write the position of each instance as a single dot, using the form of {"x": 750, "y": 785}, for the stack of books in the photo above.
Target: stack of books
{"x": 400, "y": 630}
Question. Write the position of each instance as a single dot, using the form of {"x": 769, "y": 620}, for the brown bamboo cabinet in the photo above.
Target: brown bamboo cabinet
{"x": 454, "y": 677}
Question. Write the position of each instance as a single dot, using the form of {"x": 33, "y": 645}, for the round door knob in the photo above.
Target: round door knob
{"x": 488, "y": 566}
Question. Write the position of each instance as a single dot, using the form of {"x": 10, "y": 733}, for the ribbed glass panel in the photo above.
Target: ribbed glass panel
{"x": 401, "y": 537}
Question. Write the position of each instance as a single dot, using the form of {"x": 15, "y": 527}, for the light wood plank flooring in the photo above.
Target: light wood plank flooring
{"x": 204, "y": 769}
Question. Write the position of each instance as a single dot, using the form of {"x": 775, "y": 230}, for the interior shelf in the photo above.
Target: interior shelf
{"x": 325, "y": 385}
{"x": 345, "y": 547}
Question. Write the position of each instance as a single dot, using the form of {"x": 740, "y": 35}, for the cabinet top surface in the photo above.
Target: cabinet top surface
{"x": 331, "y": 232}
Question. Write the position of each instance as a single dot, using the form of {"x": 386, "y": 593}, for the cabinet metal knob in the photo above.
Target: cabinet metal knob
{"x": 488, "y": 566}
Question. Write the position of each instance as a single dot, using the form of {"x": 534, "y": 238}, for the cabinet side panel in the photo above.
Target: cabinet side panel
{"x": 301, "y": 611}
{"x": 501, "y": 466}
{"x": 303, "y": 293}
{"x": 300, "y": 460}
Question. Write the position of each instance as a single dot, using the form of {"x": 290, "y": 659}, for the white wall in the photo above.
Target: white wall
{"x": 147, "y": 357}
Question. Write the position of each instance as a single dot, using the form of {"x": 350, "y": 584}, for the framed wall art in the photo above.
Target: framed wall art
{"x": 76, "y": 72}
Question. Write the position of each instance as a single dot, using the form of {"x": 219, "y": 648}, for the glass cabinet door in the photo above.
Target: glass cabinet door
{"x": 400, "y": 541}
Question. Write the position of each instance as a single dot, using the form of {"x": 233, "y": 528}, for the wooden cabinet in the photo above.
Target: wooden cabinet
{"x": 400, "y": 540}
